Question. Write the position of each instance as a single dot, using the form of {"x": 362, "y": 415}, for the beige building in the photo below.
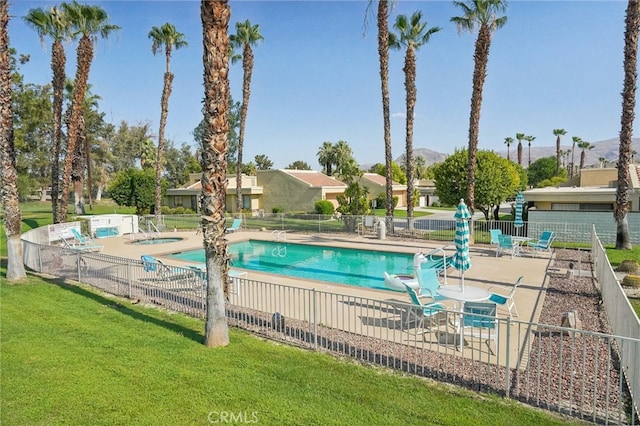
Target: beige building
{"x": 595, "y": 191}
{"x": 377, "y": 184}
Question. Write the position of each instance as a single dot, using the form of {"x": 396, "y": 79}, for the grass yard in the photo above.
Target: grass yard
{"x": 71, "y": 355}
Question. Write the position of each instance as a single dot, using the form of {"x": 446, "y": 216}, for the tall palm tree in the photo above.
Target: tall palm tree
{"x": 87, "y": 21}
{"x": 164, "y": 38}
{"x": 412, "y": 35}
{"x": 520, "y": 137}
{"x": 583, "y": 145}
{"x": 632, "y": 30}
{"x": 575, "y": 140}
{"x": 54, "y": 24}
{"x": 325, "y": 157}
{"x": 529, "y": 139}
{"x": 482, "y": 14}
{"x": 215, "y": 15}
{"x": 246, "y": 37}
{"x": 342, "y": 155}
{"x": 9, "y": 174}
{"x": 508, "y": 141}
{"x": 557, "y": 133}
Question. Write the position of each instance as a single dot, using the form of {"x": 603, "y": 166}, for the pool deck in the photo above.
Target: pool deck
{"x": 486, "y": 271}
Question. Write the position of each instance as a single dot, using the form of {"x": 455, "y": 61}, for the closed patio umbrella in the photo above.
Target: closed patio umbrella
{"x": 518, "y": 223}
{"x": 461, "y": 259}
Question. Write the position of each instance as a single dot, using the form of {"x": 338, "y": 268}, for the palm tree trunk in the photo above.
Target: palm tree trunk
{"x": 58, "y": 64}
{"x": 164, "y": 111}
{"x": 632, "y": 23}
{"x": 84, "y": 58}
{"x": 519, "y": 153}
{"x": 383, "y": 53}
{"x": 247, "y": 66}
{"x": 9, "y": 174}
{"x": 557, "y": 155}
{"x": 77, "y": 170}
{"x": 410, "y": 87}
{"x": 215, "y": 17}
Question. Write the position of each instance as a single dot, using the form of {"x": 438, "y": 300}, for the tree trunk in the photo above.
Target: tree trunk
{"x": 247, "y": 66}
{"x": 410, "y": 88}
{"x": 58, "y": 64}
{"x": 383, "y": 53}
{"x": 215, "y": 26}
{"x": 9, "y": 174}
{"x": 164, "y": 106}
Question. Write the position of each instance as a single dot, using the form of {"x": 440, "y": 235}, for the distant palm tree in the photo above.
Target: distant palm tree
{"x": 520, "y": 137}
{"x": 575, "y": 140}
{"x": 87, "y": 21}
{"x": 341, "y": 156}
{"x": 412, "y": 35}
{"x": 164, "y": 38}
{"x": 246, "y": 36}
{"x": 484, "y": 15}
{"x": 9, "y": 174}
{"x": 54, "y": 24}
{"x": 557, "y": 133}
{"x": 421, "y": 167}
{"x": 602, "y": 161}
{"x": 215, "y": 15}
{"x": 325, "y": 157}
{"x": 508, "y": 141}
{"x": 529, "y": 139}
{"x": 632, "y": 30}
{"x": 583, "y": 145}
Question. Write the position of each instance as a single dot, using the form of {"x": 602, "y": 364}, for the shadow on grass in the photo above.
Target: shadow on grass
{"x": 124, "y": 309}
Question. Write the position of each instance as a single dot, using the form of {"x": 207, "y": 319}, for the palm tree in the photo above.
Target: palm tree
{"x": 325, "y": 157}
{"x": 481, "y": 14}
{"x": 87, "y": 21}
{"x": 54, "y": 24}
{"x": 164, "y": 38}
{"x": 602, "y": 161}
{"x": 246, "y": 36}
{"x": 421, "y": 167}
{"x": 9, "y": 174}
{"x": 529, "y": 139}
{"x": 215, "y": 16}
{"x": 341, "y": 156}
{"x": 583, "y": 145}
{"x": 575, "y": 140}
{"x": 557, "y": 133}
{"x": 632, "y": 30}
{"x": 412, "y": 34}
{"x": 508, "y": 141}
{"x": 520, "y": 137}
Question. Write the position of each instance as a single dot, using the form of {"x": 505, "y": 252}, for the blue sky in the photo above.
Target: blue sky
{"x": 555, "y": 64}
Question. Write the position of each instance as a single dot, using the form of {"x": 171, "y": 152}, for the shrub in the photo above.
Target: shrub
{"x": 630, "y": 266}
{"x": 166, "y": 210}
{"x": 277, "y": 210}
{"x": 631, "y": 281}
{"x": 324, "y": 207}
{"x": 178, "y": 210}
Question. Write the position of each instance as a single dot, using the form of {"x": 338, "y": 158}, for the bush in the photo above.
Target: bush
{"x": 277, "y": 210}
{"x": 630, "y": 266}
{"x": 631, "y": 281}
{"x": 178, "y": 210}
{"x": 324, "y": 207}
{"x": 166, "y": 210}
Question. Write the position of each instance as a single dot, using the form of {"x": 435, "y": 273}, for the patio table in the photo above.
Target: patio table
{"x": 467, "y": 294}
{"x": 521, "y": 242}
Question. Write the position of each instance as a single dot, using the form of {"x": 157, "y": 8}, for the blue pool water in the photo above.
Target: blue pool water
{"x": 364, "y": 268}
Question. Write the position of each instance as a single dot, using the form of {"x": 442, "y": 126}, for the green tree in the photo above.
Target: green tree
{"x": 250, "y": 168}
{"x": 179, "y": 163}
{"x": 325, "y": 157}
{"x": 497, "y": 180}
{"x": 164, "y": 38}
{"x": 572, "y": 170}
{"x": 396, "y": 172}
{"x": 246, "y": 37}
{"x": 215, "y": 15}
{"x": 482, "y": 14}
{"x": 263, "y": 162}
{"x": 558, "y": 133}
{"x": 529, "y": 139}
{"x": 128, "y": 144}
{"x": 232, "y": 136}
{"x": 412, "y": 35}
{"x": 299, "y": 165}
{"x": 54, "y": 24}
{"x": 9, "y": 174}
{"x": 135, "y": 188}
{"x": 631, "y": 33}
{"x": 543, "y": 169}
{"x": 421, "y": 167}
{"x": 584, "y": 145}
{"x": 88, "y": 22}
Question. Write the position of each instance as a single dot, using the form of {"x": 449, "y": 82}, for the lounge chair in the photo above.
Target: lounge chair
{"x": 429, "y": 283}
{"x": 234, "y": 275}
{"x": 506, "y": 243}
{"x": 81, "y": 247}
{"x": 163, "y": 271}
{"x": 420, "y": 311}
{"x": 543, "y": 243}
{"x": 506, "y": 299}
{"x": 81, "y": 239}
{"x": 234, "y": 226}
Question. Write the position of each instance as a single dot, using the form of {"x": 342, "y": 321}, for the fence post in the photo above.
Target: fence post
{"x": 128, "y": 272}
{"x": 78, "y": 259}
{"x": 508, "y": 360}
{"x": 315, "y": 318}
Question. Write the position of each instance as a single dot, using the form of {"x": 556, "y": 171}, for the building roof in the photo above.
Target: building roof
{"x": 314, "y": 179}
{"x": 381, "y": 180}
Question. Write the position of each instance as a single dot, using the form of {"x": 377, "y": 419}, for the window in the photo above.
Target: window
{"x": 177, "y": 201}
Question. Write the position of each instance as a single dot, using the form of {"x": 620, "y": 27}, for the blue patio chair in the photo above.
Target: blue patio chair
{"x": 506, "y": 243}
{"x": 420, "y": 310}
{"x": 234, "y": 226}
{"x": 81, "y": 239}
{"x": 543, "y": 243}
{"x": 495, "y": 236}
{"x": 479, "y": 319}
{"x": 506, "y": 300}
{"x": 163, "y": 271}
{"x": 429, "y": 283}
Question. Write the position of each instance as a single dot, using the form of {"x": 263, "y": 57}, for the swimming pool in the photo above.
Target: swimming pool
{"x": 151, "y": 241}
{"x": 363, "y": 268}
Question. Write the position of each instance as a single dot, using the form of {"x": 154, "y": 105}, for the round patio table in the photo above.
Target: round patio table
{"x": 468, "y": 294}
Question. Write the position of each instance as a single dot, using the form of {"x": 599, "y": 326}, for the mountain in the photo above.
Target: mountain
{"x": 607, "y": 149}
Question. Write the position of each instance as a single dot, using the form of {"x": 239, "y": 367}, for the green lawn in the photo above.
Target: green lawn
{"x": 71, "y": 355}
